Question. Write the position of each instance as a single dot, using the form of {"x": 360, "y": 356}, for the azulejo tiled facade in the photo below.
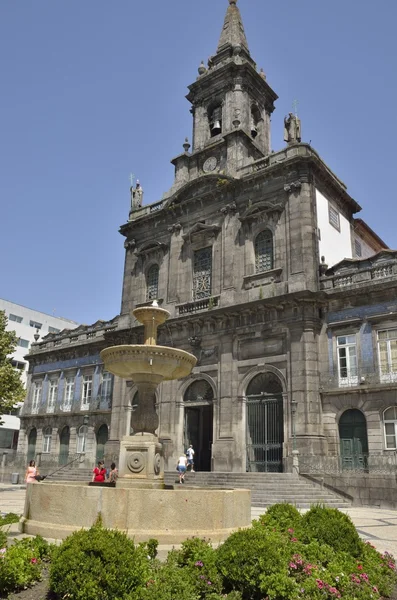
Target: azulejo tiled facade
{"x": 292, "y": 354}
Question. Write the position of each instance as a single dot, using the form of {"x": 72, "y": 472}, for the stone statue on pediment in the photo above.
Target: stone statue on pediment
{"x": 292, "y": 129}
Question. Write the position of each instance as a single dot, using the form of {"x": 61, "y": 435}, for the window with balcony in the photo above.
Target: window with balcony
{"x": 47, "y": 435}
{"x": 202, "y": 273}
{"x": 86, "y": 392}
{"x": 387, "y": 352}
{"x": 37, "y": 389}
{"x": 347, "y": 359}
{"x": 69, "y": 393}
{"x": 106, "y": 387}
{"x": 264, "y": 251}
{"x": 390, "y": 427}
{"x": 152, "y": 282}
{"x": 52, "y": 395}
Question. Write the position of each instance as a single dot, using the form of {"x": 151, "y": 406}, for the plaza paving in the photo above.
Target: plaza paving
{"x": 379, "y": 526}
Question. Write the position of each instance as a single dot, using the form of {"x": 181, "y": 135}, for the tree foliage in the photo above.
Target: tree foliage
{"x": 11, "y": 387}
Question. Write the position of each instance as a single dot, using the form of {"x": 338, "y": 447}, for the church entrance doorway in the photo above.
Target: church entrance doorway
{"x": 264, "y": 424}
{"x": 198, "y": 425}
{"x": 32, "y": 444}
{"x": 101, "y": 439}
{"x": 64, "y": 440}
{"x": 353, "y": 440}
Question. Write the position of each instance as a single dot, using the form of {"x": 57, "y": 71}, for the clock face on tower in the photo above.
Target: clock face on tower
{"x": 210, "y": 164}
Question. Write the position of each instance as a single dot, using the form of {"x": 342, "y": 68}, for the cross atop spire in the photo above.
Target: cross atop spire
{"x": 233, "y": 33}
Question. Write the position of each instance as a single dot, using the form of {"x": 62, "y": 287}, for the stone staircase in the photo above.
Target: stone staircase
{"x": 266, "y": 488}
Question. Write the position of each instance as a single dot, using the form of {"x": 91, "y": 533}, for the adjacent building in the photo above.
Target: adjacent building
{"x": 29, "y": 325}
{"x": 287, "y": 299}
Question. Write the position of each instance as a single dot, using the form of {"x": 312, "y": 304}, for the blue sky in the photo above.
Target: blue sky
{"x": 93, "y": 90}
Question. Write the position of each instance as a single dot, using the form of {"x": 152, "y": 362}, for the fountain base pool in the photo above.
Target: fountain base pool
{"x": 170, "y": 516}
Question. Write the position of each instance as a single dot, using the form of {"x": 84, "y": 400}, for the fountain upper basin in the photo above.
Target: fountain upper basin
{"x": 160, "y": 362}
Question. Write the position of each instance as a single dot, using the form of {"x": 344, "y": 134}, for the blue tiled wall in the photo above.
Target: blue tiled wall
{"x": 76, "y": 363}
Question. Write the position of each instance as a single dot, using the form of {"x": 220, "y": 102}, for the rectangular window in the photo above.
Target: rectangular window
{"x": 347, "y": 360}
{"x": 106, "y": 387}
{"x": 18, "y": 365}
{"x": 334, "y": 217}
{"x": 387, "y": 352}
{"x": 53, "y": 330}
{"x": 358, "y": 248}
{"x": 47, "y": 441}
{"x": 35, "y": 324}
{"x": 15, "y": 318}
{"x": 202, "y": 273}
{"x": 69, "y": 393}
{"x": 74, "y": 339}
{"x": 23, "y": 343}
{"x": 52, "y": 395}
{"x": 37, "y": 389}
{"x": 87, "y": 391}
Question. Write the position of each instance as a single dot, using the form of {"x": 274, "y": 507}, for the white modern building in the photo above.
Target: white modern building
{"x": 29, "y": 325}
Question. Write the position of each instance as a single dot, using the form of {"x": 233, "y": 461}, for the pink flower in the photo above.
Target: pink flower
{"x": 290, "y": 531}
{"x": 294, "y": 539}
{"x": 199, "y": 564}
{"x": 375, "y": 589}
{"x": 33, "y": 560}
{"x": 292, "y": 565}
{"x": 320, "y": 584}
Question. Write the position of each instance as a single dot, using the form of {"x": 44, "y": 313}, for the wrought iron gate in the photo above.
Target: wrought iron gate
{"x": 265, "y": 433}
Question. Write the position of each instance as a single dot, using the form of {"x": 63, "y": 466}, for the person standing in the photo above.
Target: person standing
{"x": 31, "y": 473}
{"x": 99, "y": 473}
{"x": 181, "y": 468}
{"x": 190, "y": 458}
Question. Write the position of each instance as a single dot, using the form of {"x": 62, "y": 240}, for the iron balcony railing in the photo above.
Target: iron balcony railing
{"x": 381, "y": 464}
{"x": 361, "y": 377}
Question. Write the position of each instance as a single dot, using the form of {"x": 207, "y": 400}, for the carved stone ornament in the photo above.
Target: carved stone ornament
{"x": 195, "y": 341}
{"x": 293, "y": 187}
{"x": 229, "y": 209}
{"x": 130, "y": 244}
{"x": 157, "y": 464}
{"x": 175, "y": 228}
{"x": 201, "y": 230}
{"x": 136, "y": 462}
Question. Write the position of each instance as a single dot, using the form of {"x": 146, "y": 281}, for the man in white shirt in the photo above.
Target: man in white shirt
{"x": 190, "y": 458}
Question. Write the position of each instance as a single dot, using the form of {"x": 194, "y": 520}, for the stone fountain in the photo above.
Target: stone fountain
{"x": 141, "y": 462}
{"x": 139, "y": 505}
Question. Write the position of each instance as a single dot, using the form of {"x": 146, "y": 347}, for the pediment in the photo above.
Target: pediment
{"x": 254, "y": 211}
{"x": 151, "y": 248}
{"x": 200, "y": 186}
{"x": 201, "y": 230}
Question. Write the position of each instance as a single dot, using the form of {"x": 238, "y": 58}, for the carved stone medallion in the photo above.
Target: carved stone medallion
{"x": 136, "y": 462}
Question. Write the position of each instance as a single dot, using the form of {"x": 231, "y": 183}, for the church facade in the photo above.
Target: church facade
{"x": 295, "y": 357}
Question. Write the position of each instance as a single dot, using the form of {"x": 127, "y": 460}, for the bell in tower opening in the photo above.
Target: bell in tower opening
{"x": 216, "y": 121}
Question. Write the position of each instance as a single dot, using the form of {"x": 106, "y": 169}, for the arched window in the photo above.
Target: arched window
{"x": 199, "y": 391}
{"x": 47, "y": 434}
{"x": 264, "y": 251}
{"x": 152, "y": 290}
{"x": 255, "y": 118}
{"x": 82, "y": 439}
{"x": 390, "y": 425}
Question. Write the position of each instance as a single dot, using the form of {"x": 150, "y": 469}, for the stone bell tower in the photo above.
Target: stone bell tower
{"x": 231, "y": 102}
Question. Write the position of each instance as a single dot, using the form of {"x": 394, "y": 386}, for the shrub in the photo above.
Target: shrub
{"x": 98, "y": 564}
{"x": 254, "y": 562}
{"x": 198, "y": 560}
{"x": 168, "y": 582}
{"x": 20, "y": 566}
{"x": 3, "y": 539}
{"x": 9, "y": 518}
{"x": 332, "y": 527}
{"x": 282, "y": 517}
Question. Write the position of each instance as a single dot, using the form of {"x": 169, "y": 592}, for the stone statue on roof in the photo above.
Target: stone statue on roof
{"x": 292, "y": 129}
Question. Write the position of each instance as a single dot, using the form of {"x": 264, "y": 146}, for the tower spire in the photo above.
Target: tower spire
{"x": 233, "y": 33}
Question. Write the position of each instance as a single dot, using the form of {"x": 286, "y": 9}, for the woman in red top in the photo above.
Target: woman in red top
{"x": 99, "y": 473}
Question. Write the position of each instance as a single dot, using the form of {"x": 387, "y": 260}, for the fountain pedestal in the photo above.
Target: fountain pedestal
{"x": 141, "y": 463}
